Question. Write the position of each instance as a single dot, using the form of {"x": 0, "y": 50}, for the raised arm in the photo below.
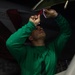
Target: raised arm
{"x": 65, "y": 31}
{"x": 64, "y": 34}
{"x": 15, "y": 43}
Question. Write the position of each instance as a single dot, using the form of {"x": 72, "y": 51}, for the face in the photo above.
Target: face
{"x": 38, "y": 33}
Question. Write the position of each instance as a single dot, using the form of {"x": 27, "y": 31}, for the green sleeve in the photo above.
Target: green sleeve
{"x": 64, "y": 34}
{"x": 15, "y": 43}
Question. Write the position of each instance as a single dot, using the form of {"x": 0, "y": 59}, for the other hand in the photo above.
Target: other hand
{"x": 50, "y": 13}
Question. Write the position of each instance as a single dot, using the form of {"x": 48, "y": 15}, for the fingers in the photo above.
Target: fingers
{"x": 32, "y": 17}
{"x": 38, "y": 16}
{"x": 35, "y": 17}
{"x": 48, "y": 10}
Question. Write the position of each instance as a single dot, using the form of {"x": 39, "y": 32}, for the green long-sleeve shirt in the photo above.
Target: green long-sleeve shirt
{"x": 38, "y": 60}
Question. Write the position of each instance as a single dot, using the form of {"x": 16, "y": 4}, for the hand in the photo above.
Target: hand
{"x": 35, "y": 19}
{"x": 50, "y": 13}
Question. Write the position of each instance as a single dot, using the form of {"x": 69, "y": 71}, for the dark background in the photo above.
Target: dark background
{"x": 68, "y": 13}
{"x": 9, "y": 66}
